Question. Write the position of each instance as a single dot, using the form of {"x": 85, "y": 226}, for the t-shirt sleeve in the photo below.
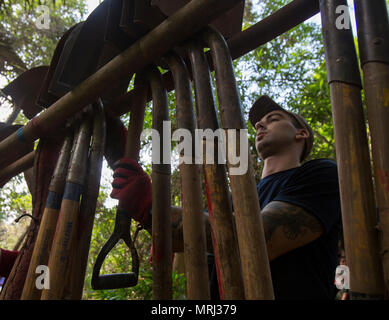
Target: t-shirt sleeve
{"x": 315, "y": 188}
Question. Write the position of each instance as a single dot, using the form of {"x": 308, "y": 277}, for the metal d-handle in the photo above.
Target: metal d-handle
{"x": 117, "y": 280}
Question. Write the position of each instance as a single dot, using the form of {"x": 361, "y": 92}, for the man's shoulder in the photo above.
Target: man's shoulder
{"x": 322, "y": 163}
{"x": 318, "y": 169}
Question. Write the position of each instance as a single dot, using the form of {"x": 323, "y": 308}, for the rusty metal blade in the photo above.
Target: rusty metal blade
{"x": 45, "y": 98}
{"x": 86, "y": 47}
{"x": 25, "y": 89}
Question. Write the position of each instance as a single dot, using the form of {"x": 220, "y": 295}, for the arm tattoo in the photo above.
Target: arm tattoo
{"x": 293, "y": 220}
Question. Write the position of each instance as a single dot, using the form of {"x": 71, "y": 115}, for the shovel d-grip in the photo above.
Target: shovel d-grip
{"x": 123, "y": 218}
{"x": 117, "y": 280}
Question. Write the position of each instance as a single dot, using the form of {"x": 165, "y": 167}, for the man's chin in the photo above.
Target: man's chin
{"x": 261, "y": 147}
{"x": 263, "y": 152}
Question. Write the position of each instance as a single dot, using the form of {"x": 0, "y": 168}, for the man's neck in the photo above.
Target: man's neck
{"x": 277, "y": 163}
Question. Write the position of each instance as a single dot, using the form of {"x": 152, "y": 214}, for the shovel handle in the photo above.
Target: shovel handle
{"x": 116, "y": 281}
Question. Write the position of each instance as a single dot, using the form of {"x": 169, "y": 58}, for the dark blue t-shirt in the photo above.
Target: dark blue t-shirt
{"x": 307, "y": 272}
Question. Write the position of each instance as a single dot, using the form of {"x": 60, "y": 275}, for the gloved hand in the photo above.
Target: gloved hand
{"x": 132, "y": 187}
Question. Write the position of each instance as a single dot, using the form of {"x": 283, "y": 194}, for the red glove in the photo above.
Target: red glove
{"x": 132, "y": 187}
{"x": 7, "y": 260}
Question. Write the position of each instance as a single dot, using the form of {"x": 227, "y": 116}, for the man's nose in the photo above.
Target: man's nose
{"x": 259, "y": 125}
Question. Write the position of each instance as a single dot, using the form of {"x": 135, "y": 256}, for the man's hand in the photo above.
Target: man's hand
{"x": 132, "y": 187}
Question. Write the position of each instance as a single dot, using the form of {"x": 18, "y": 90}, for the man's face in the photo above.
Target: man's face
{"x": 275, "y": 132}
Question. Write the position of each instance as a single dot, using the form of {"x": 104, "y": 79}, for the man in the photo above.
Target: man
{"x": 300, "y": 204}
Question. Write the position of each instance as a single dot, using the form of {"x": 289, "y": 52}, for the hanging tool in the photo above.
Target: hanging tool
{"x": 255, "y": 264}
{"x": 66, "y": 229}
{"x": 225, "y": 245}
{"x": 193, "y": 224}
{"x": 88, "y": 205}
{"x": 123, "y": 219}
{"x": 161, "y": 194}
{"x": 42, "y": 247}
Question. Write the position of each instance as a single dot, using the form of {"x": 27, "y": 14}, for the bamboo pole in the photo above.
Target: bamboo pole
{"x": 17, "y": 167}
{"x": 224, "y": 240}
{"x": 373, "y": 35}
{"x": 251, "y": 237}
{"x": 161, "y": 209}
{"x": 42, "y": 247}
{"x": 355, "y": 180}
{"x": 176, "y": 28}
{"x": 66, "y": 229}
{"x": 191, "y": 194}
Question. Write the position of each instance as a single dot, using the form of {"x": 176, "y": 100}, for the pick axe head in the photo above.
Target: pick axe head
{"x": 45, "y": 98}
{"x": 24, "y": 90}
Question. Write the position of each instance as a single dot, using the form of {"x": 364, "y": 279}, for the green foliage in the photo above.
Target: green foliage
{"x": 22, "y": 44}
{"x": 313, "y": 103}
{"x": 15, "y": 199}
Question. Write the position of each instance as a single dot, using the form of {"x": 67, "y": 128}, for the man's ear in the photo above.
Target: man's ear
{"x": 302, "y": 134}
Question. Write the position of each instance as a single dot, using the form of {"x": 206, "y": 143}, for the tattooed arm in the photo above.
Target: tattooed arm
{"x": 288, "y": 227}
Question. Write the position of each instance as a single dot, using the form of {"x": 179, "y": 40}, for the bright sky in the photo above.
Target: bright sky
{"x": 93, "y": 4}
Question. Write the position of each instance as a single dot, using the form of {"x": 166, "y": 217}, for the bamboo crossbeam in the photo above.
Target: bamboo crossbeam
{"x": 17, "y": 167}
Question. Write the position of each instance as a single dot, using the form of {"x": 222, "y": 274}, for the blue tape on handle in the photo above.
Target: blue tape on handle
{"x": 20, "y": 135}
{"x": 53, "y": 200}
{"x": 72, "y": 191}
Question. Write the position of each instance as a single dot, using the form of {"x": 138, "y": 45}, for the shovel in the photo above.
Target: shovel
{"x": 123, "y": 218}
